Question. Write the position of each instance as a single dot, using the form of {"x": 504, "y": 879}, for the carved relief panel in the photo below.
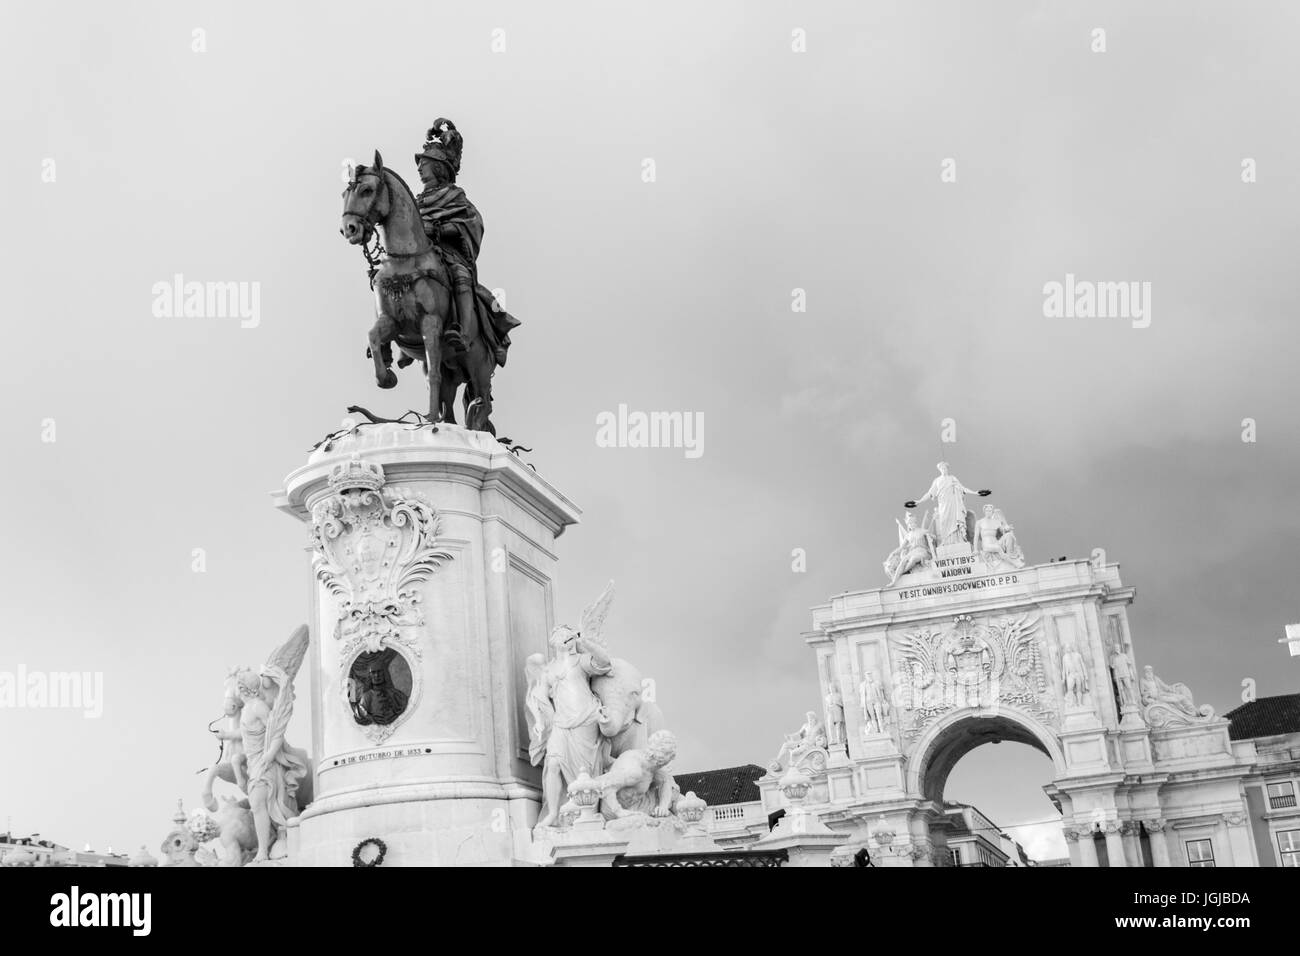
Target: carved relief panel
{"x": 374, "y": 546}
{"x": 970, "y": 663}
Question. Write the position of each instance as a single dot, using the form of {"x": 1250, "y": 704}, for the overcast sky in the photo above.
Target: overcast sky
{"x": 775, "y": 170}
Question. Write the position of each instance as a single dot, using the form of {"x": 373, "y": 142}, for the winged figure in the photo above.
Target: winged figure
{"x": 564, "y": 712}
{"x": 279, "y": 775}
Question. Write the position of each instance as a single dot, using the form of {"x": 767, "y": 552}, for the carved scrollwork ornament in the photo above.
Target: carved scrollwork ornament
{"x": 1234, "y": 819}
{"x": 374, "y": 546}
{"x": 1155, "y": 825}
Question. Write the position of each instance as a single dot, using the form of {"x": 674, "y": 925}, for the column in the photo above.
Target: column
{"x": 1159, "y": 842}
{"x": 1131, "y": 836}
{"x": 1082, "y": 839}
{"x": 1114, "y": 843}
{"x": 1240, "y": 840}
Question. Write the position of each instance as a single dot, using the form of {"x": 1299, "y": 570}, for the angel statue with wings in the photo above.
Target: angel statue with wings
{"x": 279, "y": 775}
{"x": 565, "y": 714}
{"x": 915, "y": 548}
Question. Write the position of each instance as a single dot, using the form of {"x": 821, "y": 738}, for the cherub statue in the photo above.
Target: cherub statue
{"x": 564, "y": 712}
{"x": 638, "y": 781}
{"x": 277, "y": 772}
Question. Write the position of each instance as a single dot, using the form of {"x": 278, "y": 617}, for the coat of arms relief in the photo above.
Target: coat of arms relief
{"x": 970, "y": 663}
{"x": 374, "y": 545}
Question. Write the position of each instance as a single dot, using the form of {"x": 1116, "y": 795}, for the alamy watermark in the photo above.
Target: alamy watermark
{"x": 628, "y": 429}
{"x": 128, "y": 910}
{"x": 179, "y": 299}
{"x": 1085, "y": 299}
{"x": 53, "y": 690}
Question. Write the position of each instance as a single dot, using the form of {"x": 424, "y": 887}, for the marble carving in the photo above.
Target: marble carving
{"x": 374, "y": 546}
{"x": 596, "y": 730}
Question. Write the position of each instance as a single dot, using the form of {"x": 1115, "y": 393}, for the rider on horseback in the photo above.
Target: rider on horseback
{"x": 456, "y": 227}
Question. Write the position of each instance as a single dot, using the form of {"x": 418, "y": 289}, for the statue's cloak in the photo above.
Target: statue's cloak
{"x": 449, "y": 206}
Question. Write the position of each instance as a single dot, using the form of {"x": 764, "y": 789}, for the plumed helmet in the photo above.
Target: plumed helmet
{"x": 443, "y": 143}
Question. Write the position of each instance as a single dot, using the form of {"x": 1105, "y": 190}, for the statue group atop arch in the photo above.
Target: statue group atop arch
{"x": 951, "y": 530}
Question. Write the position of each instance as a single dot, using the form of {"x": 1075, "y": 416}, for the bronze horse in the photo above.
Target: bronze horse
{"x": 414, "y": 299}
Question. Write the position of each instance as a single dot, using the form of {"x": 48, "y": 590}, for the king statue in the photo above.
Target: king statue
{"x": 423, "y": 271}
{"x": 455, "y": 225}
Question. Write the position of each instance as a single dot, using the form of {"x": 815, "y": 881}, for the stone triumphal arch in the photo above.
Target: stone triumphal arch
{"x": 970, "y": 644}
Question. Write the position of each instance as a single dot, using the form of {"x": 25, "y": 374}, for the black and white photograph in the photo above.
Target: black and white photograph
{"x": 556, "y": 434}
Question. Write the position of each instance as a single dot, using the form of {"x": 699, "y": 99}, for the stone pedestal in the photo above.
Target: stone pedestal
{"x": 806, "y": 840}
{"x": 433, "y": 560}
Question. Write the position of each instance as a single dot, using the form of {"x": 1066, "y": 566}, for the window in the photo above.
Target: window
{"x": 956, "y": 856}
{"x": 1288, "y": 845}
{"x": 1281, "y": 795}
{"x": 1200, "y": 853}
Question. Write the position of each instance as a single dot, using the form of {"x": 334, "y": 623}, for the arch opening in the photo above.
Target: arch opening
{"x": 963, "y": 736}
{"x": 993, "y": 811}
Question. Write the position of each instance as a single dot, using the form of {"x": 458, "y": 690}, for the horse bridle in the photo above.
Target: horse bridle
{"x": 372, "y": 255}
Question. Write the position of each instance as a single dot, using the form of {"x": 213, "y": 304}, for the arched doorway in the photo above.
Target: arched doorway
{"x": 960, "y": 831}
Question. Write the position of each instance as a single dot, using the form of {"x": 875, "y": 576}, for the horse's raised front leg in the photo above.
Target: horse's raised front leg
{"x": 381, "y": 337}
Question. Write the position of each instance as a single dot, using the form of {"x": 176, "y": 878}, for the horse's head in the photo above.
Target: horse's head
{"x": 233, "y": 702}
{"x": 366, "y": 202}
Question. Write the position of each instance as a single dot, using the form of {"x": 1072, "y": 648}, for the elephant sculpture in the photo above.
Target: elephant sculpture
{"x": 629, "y": 713}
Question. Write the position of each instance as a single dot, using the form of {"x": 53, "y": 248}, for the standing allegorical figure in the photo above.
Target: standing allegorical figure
{"x": 1122, "y": 668}
{"x": 835, "y": 714}
{"x": 949, "y": 496}
{"x": 279, "y": 775}
{"x": 453, "y": 222}
{"x": 564, "y": 711}
{"x": 1074, "y": 674}
{"x": 875, "y": 706}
